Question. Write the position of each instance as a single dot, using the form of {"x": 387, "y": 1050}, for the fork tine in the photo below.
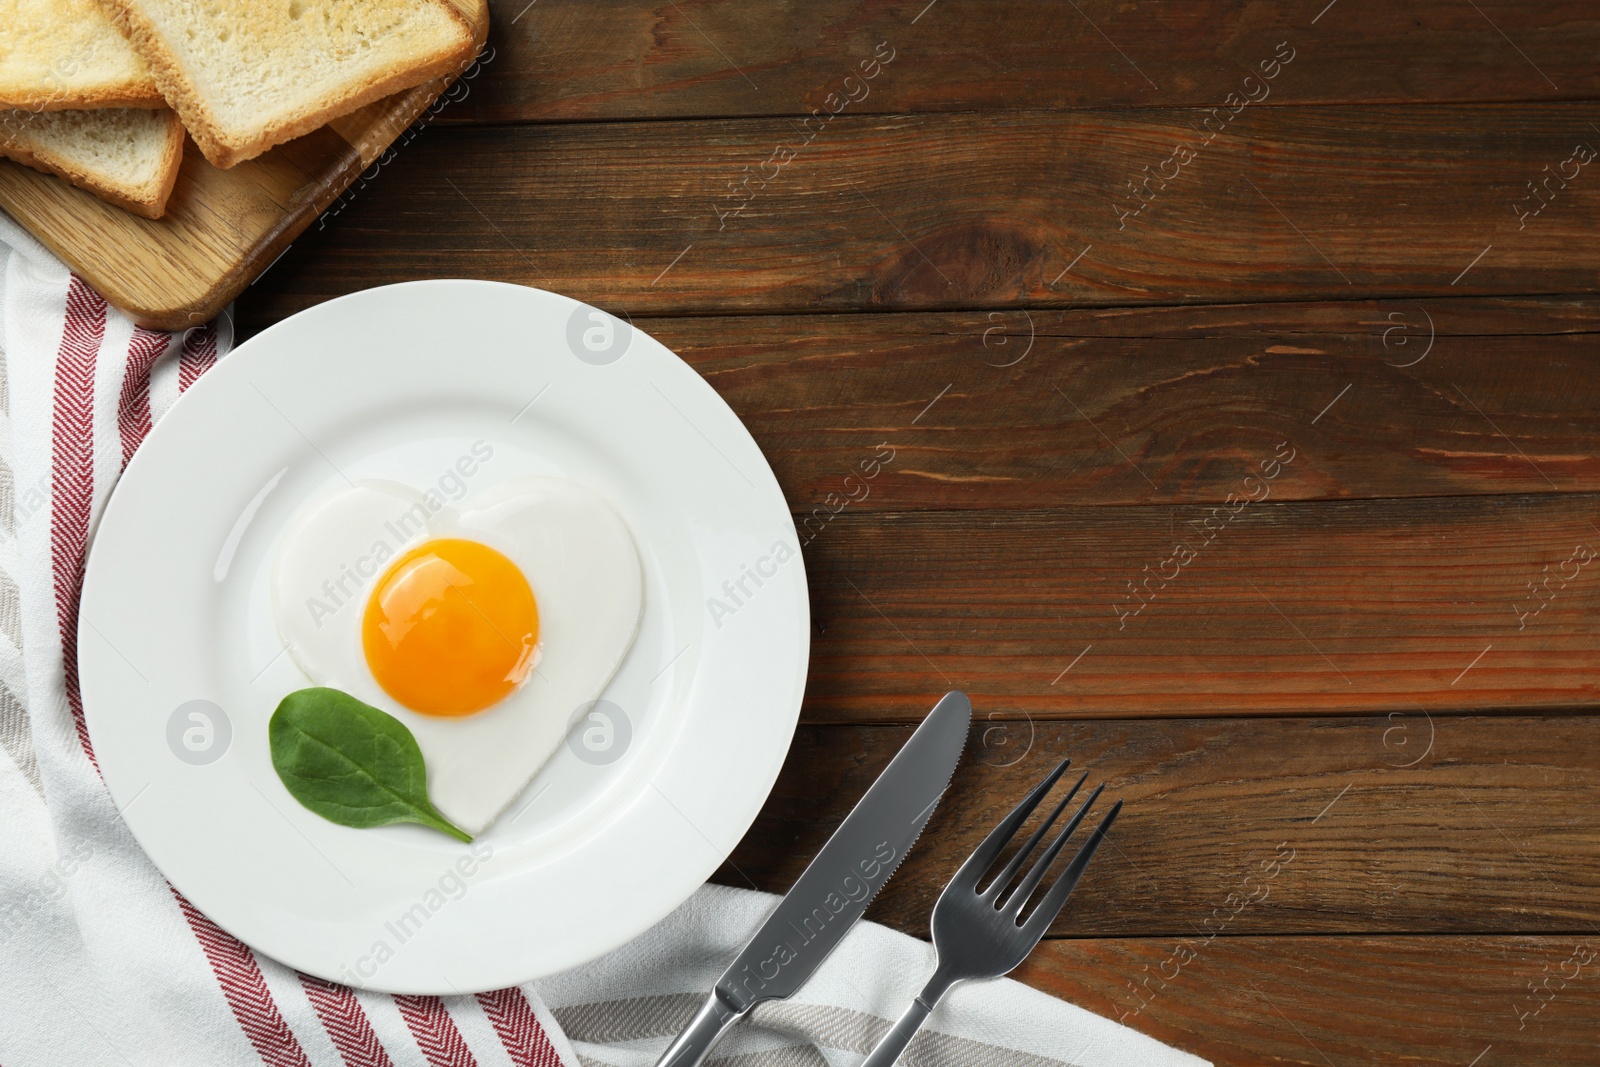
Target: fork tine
{"x": 1018, "y": 898}
{"x": 985, "y": 854}
{"x": 1056, "y": 898}
{"x": 1004, "y": 878}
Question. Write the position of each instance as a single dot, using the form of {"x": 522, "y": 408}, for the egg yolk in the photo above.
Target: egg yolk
{"x": 450, "y": 628}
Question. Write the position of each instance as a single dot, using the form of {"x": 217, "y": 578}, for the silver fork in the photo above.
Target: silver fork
{"x": 981, "y": 934}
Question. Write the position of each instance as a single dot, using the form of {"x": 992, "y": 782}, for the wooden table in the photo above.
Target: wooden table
{"x": 1249, "y": 456}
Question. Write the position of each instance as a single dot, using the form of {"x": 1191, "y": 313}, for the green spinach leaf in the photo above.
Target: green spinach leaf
{"x": 351, "y": 763}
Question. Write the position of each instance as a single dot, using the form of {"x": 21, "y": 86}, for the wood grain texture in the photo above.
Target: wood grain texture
{"x": 694, "y": 58}
{"x": 1290, "y": 608}
{"x": 1316, "y": 1001}
{"x": 222, "y": 228}
{"x": 1023, "y": 409}
{"x": 1382, "y": 824}
{"x": 976, "y": 211}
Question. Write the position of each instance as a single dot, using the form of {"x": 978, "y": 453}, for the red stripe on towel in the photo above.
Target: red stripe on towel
{"x": 199, "y": 355}
{"x": 72, "y": 475}
{"x": 245, "y": 989}
{"x": 435, "y": 1031}
{"x": 133, "y": 405}
{"x": 519, "y": 1029}
{"x": 346, "y": 1023}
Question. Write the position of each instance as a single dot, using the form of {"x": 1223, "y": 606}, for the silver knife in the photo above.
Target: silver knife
{"x": 836, "y": 888}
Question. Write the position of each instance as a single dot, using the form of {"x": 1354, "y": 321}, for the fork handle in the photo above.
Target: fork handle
{"x": 900, "y": 1034}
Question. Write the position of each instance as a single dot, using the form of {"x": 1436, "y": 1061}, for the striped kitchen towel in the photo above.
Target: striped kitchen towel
{"x": 102, "y": 962}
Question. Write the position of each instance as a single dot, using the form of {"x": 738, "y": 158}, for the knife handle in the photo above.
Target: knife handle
{"x": 698, "y": 1037}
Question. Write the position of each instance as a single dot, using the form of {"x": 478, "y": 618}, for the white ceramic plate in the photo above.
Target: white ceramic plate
{"x": 398, "y": 383}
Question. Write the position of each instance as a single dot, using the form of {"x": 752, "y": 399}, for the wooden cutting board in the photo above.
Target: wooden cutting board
{"x": 222, "y": 227}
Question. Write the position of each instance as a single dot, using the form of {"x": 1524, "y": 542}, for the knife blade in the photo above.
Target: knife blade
{"x": 840, "y": 882}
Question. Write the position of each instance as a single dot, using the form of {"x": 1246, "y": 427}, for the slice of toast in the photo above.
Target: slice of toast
{"x": 67, "y": 54}
{"x": 129, "y": 156}
{"x": 245, "y": 77}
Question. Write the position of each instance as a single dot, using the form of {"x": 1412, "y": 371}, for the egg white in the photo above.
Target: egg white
{"x": 578, "y": 557}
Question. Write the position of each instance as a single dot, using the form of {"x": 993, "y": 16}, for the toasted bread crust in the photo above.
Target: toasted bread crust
{"x": 214, "y": 141}
{"x": 56, "y": 100}
{"x": 150, "y": 204}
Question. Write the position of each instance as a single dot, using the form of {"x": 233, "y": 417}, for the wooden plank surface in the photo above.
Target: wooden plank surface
{"x": 978, "y": 211}
{"x": 1021, "y": 409}
{"x": 1320, "y": 1001}
{"x": 1243, "y": 828}
{"x": 588, "y": 60}
{"x": 1284, "y": 608}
